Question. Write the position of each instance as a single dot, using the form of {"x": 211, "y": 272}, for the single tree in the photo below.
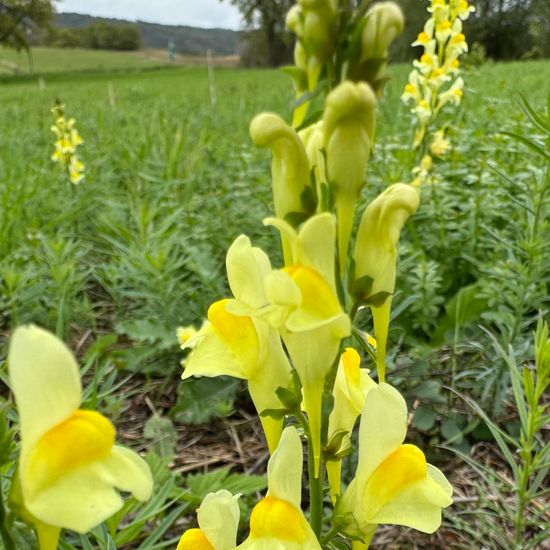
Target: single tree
{"x": 268, "y": 18}
{"x": 19, "y": 18}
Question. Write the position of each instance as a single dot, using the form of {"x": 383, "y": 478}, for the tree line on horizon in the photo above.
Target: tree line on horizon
{"x": 501, "y": 29}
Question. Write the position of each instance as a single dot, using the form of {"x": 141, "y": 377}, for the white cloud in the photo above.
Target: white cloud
{"x": 195, "y": 13}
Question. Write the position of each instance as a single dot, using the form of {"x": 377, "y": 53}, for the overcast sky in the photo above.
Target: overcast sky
{"x": 195, "y": 13}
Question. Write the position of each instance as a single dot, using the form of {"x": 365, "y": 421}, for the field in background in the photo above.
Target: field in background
{"x": 56, "y": 60}
{"x": 117, "y": 263}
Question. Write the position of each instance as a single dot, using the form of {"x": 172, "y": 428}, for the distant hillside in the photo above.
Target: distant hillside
{"x": 188, "y": 40}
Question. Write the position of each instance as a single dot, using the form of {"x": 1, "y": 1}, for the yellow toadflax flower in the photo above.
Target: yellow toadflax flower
{"x": 233, "y": 342}
{"x": 434, "y": 81}
{"x": 393, "y": 483}
{"x": 350, "y": 388}
{"x": 312, "y": 322}
{"x": 277, "y": 521}
{"x": 218, "y": 518}
{"x": 69, "y": 466}
{"x": 67, "y": 142}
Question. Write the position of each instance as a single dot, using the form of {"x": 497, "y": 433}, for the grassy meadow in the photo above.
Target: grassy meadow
{"x": 116, "y": 263}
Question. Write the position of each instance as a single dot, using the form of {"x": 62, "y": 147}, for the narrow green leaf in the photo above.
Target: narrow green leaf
{"x": 527, "y": 142}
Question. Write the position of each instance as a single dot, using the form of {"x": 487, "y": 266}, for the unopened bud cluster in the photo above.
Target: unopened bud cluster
{"x": 335, "y": 44}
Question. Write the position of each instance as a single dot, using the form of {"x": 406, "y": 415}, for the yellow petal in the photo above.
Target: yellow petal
{"x": 350, "y": 388}
{"x": 247, "y": 266}
{"x": 284, "y": 297}
{"x": 84, "y": 437}
{"x": 194, "y": 539}
{"x": 237, "y": 332}
{"x": 227, "y": 345}
{"x": 48, "y": 536}
{"x": 383, "y": 429}
{"x": 277, "y": 522}
{"x": 284, "y": 469}
{"x": 86, "y": 496}
{"x": 313, "y": 353}
{"x": 334, "y": 474}
{"x": 405, "y": 466}
{"x": 319, "y": 304}
{"x": 218, "y": 517}
{"x": 274, "y": 372}
{"x": 381, "y": 321}
{"x": 183, "y": 334}
{"x": 418, "y": 506}
{"x": 316, "y": 239}
{"x": 45, "y": 380}
{"x": 278, "y": 519}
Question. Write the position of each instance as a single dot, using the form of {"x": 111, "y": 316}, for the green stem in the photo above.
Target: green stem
{"x": 316, "y": 485}
{"x": 526, "y": 454}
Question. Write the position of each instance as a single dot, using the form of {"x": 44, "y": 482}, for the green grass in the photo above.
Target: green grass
{"x": 138, "y": 248}
{"x": 53, "y": 60}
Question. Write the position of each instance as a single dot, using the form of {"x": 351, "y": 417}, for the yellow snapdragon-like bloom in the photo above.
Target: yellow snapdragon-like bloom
{"x": 234, "y": 342}
{"x": 218, "y": 519}
{"x": 393, "y": 483}
{"x": 69, "y": 466}
{"x": 277, "y": 521}
{"x": 307, "y": 310}
{"x": 67, "y": 142}
{"x": 350, "y": 388}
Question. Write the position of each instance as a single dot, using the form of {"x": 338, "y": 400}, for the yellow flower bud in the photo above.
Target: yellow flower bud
{"x": 319, "y": 30}
{"x": 375, "y": 257}
{"x": 293, "y": 197}
{"x": 348, "y": 126}
{"x": 383, "y": 23}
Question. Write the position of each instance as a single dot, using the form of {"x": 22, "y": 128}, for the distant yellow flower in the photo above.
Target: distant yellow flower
{"x": 184, "y": 333}
{"x": 69, "y": 466}
{"x": 435, "y": 75}
{"x": 439, "y": 145}
{"x": 67, "y": 142}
